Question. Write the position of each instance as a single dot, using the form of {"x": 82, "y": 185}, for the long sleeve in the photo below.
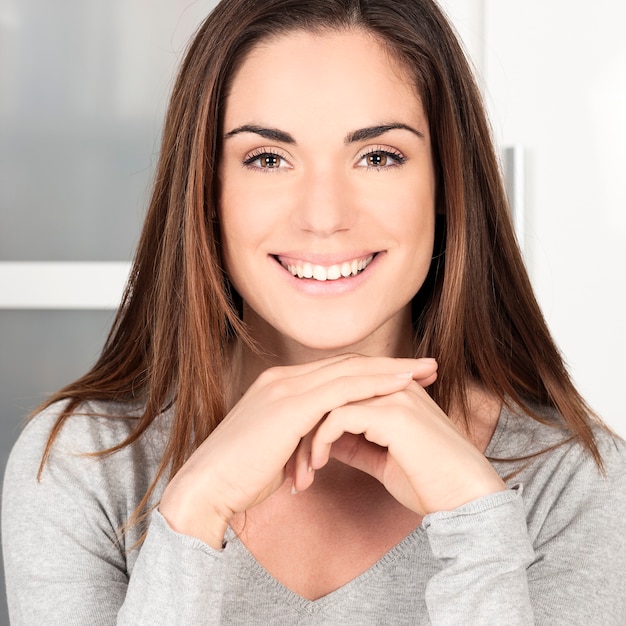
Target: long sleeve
{"x": 550, "y": 553}
{"x": 176, "y": 580}
{"x": 577, "y": 525}
{"x": 66, "y": 559}
{"x": 484, "y": 550}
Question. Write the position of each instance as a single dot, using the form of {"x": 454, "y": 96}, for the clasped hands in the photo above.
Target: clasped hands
{"x": 372, "y": 413}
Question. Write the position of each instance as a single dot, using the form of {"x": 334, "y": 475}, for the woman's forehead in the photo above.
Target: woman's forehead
{"x": 320, "y": 75}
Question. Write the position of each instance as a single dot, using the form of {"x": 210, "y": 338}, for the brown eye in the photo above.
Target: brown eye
{"x": 270, "y": 161}
{"x": 381, "y": 158}
{"x": 265, "y": 160}
{"x": 377, "y": 159}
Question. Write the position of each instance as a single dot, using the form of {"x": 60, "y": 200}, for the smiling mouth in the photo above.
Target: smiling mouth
{"x": 312, "y": 271}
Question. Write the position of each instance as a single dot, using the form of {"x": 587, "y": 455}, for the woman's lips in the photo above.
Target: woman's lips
{"x": 323, "y": 272}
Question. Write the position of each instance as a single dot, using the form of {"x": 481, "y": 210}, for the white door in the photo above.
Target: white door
{"x": 555, "y": 72}
{"x": 554, "y": 77}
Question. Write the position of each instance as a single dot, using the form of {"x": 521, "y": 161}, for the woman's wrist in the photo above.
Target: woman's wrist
{"x": 186, "y": 516}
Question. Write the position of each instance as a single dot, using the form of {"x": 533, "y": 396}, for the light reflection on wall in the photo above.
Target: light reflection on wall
{"x": 83, "y": 90}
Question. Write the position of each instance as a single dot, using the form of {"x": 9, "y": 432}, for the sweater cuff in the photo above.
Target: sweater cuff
{"x": 176, "y": 579}
{"x": 489, "y": 527}
{"x": 185, "y": 541}
{"x": 484, "y": 550}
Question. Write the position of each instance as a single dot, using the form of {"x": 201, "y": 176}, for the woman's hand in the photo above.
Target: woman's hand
{"x": 405, "y": 441}
{"x": 267, "y": 436}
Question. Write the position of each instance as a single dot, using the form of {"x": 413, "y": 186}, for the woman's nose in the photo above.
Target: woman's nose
{"x": 325, "y": 204}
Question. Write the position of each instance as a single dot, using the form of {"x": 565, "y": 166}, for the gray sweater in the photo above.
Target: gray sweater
{"x": 550, "y": 550}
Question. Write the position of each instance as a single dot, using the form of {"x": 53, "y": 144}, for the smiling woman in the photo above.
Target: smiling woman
{"x": 347, "y": 188}
{"x": 329, "y": 395}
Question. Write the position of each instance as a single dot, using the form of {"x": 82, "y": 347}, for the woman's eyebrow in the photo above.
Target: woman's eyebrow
{"x": 273, "y": 134}
{"x": 363, "y": 134}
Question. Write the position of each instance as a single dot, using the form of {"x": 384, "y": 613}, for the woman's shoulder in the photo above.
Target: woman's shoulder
{"x": 91, "y": 427}
{"x": 544, "y": 454}
{"x": 100, "y": 490}
{"x": 570, "y": 499}
{"x": 75, "y": 456}
{"x": 78, "y": 494}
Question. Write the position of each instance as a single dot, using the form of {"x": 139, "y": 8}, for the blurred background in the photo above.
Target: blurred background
{"x": 83, "y": 89}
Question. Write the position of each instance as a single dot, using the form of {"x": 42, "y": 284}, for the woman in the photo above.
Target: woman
{"x": 327, "y": 238}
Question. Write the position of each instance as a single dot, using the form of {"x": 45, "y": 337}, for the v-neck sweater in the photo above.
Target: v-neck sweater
{"x": 550, "y": 549}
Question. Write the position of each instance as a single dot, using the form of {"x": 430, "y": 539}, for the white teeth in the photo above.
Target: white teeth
{"x": 333, "y": 272}
{"x": 319, "y": 272}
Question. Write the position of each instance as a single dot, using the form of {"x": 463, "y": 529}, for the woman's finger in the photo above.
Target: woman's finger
{"x": 356, "y": 420}
{"x": 325, "y": 398}
{"x": 311, "y": 375}
{"x": 303, "y": 474}
{"x": 357, "y": 452}
{"x": 427, "y": 381}
{"x": 407, "y": 443}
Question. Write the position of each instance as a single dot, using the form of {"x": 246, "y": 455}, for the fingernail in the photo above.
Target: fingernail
{"x": 294, "y": 491}
{"x": 405, "y": 375}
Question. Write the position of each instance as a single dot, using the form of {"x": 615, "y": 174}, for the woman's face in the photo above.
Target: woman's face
{"x": 327, "y": 192}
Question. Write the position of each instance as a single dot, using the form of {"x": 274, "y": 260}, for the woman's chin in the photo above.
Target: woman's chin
{"x": 327, "y": 342}
{"x": 316, "y": 332}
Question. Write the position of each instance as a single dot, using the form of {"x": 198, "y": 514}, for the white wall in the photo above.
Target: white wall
{"x": 554, "y": 77}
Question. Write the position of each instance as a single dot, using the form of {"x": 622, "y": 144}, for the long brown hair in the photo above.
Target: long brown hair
{"x": 476, "y": 313}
